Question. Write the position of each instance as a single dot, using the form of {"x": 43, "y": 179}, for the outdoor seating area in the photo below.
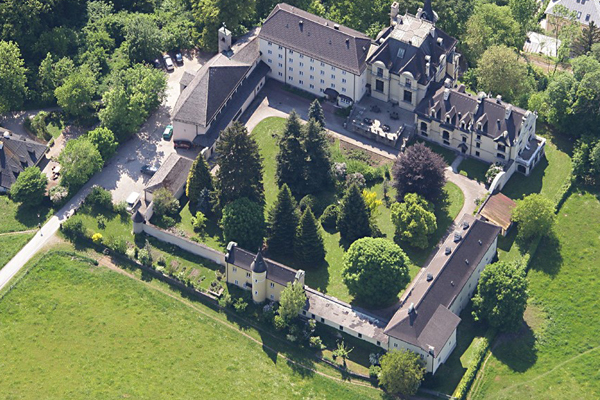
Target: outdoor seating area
{"x": 380, "y": 121}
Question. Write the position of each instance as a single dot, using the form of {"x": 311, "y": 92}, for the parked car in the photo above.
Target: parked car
{"x": 168, "y": 132}
{"x": 168, "y": 63}
{"x": 157, "y": 63}
{"x": 368, "y": 121}
{"x": 179, "y": 58}
{"x": 132, "y": 200}
{"x": 149, "y": 170}
{"x": 182, "y": 144}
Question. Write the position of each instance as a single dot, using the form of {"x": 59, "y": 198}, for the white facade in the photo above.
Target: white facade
{"x": 310, "y": 74}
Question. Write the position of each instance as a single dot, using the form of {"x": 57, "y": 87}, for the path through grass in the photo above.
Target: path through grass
{"x": 10, "y": 244}
{"x": 73, "y": 330}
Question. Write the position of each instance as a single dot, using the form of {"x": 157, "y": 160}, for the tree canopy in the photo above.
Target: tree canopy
{"x": 12, "y": 76}
{"x": 104, "y": 140}
{"x": 401, "y": 372}
{"x": 375, "y": 271}
{"x": 419, "y": 170}
{"x": 353, "y": 220}
{"x": 30, "y": 187}
{"x": 291, "y": 156}
{"x": 309, "y": 247}
{"x": 199, "y": 179}
{"x": 77, "y": 91}
{"x": 243, "y": 222}
{"x": 501, "y": 295}
{"x": 80, "y": 159}
{"x": 282, "y": 222}
{"x": 240, "y": 172}
{"x": 535, "y": 217}
{"x": 414, "y": 220}
{"x": 291, "y": 301}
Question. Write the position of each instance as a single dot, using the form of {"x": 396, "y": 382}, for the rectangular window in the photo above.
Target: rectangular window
{"x": 332, "y": 68}
{"x": 270, "y": 51}
{"x": 360, "y": 335}
{"x": 501, "y": 147}
{"x": 322, "y": 72}
{"x": 379, "y": 86}
{"x": 247, "y": 274}
{"x": 301, "y": 82}
{"x": 272, "y": 285}
{"x": 236, "y": 282}
{"x": 234, "y": 269}
{"x": 395, "y": 344}
{"x": 321, "y": 90}
{"x": 477, "y": 153}
{"x": 270, "y": 43}
{"x": 302, "y": 64}
{"x": 447, "y": 143}
{"x": 408, "y": 83}
{"x": 446, "y": 135}
{"x": 322, "y": 81}
{"x": 344, "y": 89}
{"x": 272, "y": 297}
{"x": 290, "y": 78}
{"x": 341, "y": 328}
{"x": 301, "y": 72}
{"x": 343, "y": 72}
{"x": 312, "y": 77}
{"x": 312, "y": 68}
{"x": 280, "y": 47}
{"x": 323, "y": 320}
{"x": 478, "y": 137}
{"x": 291, "y": 69}
{"x": 379, "y": 72}
{"x": 378, "y": 343}
{"x": 501, "y": 156}
{"x": 303, "y": 312}
{"x": 322, "y": 64}
{"x": 280, "y": 74}
{"x": 291, "y": 51}
{"x": 464, "y": 139}
{"x": 280, "y": 55}
{"x": 478, "y": 145}
{"x": 290, "y": 60}
{"x": 312, "y": 60}
{"x": 312, "y": 86}
{"x": 270, "y": 61}
{"x": 333, "y": 85}
{"x": 408, "y": 96}
{"x": 332, "y": 76}
{"x": 301, "y": 56}
{"x": 313, "y": 316}
{"x": 343, "y": 80}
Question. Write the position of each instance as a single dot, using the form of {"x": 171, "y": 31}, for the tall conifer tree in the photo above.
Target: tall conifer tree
{"x": 318, "y": 168}
{"x": 283, "y": 222}
{"x": 353, "y": 219}
{"x": 291, "y": 157}
{"x": 309, "y": 248}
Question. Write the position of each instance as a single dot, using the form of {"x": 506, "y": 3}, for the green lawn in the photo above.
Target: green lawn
{"x": 15, "y": 218}
{"x": 116, "y": 225}
{"x": 70, "y": 329}
{"x": 447, "y": 154}
{"x": 547, "y": 178}
{"x": 557, "y": 354}
{"x": 11, "y": 244}
{"x": 55, "y": 129}
{"x": 473, "y": 169}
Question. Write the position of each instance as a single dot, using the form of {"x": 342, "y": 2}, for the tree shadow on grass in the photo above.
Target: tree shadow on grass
{"x": 28, "y": 216}
{"x": 548, "y": 258}
{"x": 517, "y": 350}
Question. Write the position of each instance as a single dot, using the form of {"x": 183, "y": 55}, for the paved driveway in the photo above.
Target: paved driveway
{"x": 122, "y": 173}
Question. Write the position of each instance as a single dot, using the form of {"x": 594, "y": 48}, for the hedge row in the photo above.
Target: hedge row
{"x": 479, "y": 354}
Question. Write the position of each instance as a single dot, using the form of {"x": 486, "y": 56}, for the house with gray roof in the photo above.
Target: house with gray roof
{"x": 172, "y": 175}
{"x": 16, "y": 154}
{"x": 586, "y": 11}
{"x": 217, "y": 94}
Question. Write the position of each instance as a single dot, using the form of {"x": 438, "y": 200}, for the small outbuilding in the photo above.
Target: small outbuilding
{"x": 497, "y": 210}
{"x": 172, "y": 175}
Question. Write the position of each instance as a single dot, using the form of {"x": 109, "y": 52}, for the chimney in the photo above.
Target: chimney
{"x": 224, "y": 39}
{"x": 508, "y": 111}
{"x": 499, "y": 99}
{"x": 336, "y": 27}
{"x": 498, "y": 123}
{"x": 446, "y": 94}
{"x": 411, "y": 308}
{"x": 395, "y": 10}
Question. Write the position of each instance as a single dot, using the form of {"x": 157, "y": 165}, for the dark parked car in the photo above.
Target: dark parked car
{"x": 179, "y": 59}
{"x": 157, "y": 63}
{"x": 182, "y": 144}
{"x": 368, "y": 121}
{"x": 149, "y": 170}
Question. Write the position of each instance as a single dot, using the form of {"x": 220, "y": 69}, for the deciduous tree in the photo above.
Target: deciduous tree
{"x": 535, "y": 217}
{"x": 419, "y": 170}
{"x": 30, "y": 187}
{"x": 375, "y": 270}
{"x": 589, "y": 36}
{"x": 143, "y": 37}
{"x": 104, "y": 140}
{"x": 12, "y": 76}
{"x": 77, "y": 91}
{"x": 414, "y": 220}
{"x": 164, "y": 202}
{"x": 501, "y": 296}
{"x": 291, "y": 301}
{"x": 79, "y": 160}
{"x": 240, "y": 172}
{"x": 283, "y": 223}
{"x": 401, "y": 372}
{"x": 308, "y": 246}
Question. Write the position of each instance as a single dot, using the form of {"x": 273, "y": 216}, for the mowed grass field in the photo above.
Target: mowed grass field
{"x": 70, "y": 329}
{"x": 557, "y": 354}
{"x": 10, "y": 244}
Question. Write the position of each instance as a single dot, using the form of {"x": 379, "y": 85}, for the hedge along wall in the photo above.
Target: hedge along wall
{"x": 198, "y": 249}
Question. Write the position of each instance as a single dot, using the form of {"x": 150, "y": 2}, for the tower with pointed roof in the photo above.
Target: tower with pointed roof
{"x": 427, "y": 12}
{"x": 259, "y": 278}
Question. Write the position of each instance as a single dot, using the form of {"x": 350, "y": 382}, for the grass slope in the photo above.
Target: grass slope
{"x": 11, "y": 244}
{"x": 557, "y": 355}
{"x": 72, "y": 330}
{"x": 14, "y": 218}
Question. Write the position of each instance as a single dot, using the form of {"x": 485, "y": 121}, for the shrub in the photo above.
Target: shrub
{"x": 476, "y": 359}
{"x": 38, "y": 125}
{"x": 329, "y": 217}
{"x": 100, "y": 197}
{"x": 225, "y": 300}
{"x": 58, "y": 195}
{"x": 118, "y": 245}
{"x": 145, "y": 255}
{"x": 199, "y": 222}
{"x": 30, "y": 187}
{"x": 121, "y": 208}
{"x": 340, "y": 171}
{"x": 374, "y": 371}
{"x": 101, "y": 221}
{"x": 279, "y": 323}
{"x": 165, "y": 203}
{"x": 161, "y": 261}
{"x": 291, "y": 338}
{"x": 315, "y": 342}
{"x": 492, "y": 172}
{"x": 73, "y": 228}
{"x": 240, "y": 305}
{"x": 243, "y": 222}
{"x": 370, "y": 173}
{"x": 166, "y": 221}
{"x": 97, "y": 238}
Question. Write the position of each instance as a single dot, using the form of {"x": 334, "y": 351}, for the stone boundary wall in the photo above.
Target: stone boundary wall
{"x": 198, "y": 249}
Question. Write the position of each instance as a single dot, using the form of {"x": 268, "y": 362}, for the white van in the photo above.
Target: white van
{"x": 132, "y": 200}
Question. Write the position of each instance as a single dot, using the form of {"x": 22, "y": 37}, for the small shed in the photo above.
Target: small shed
{"x": 172, "y": 175}
{"x": 497, "y": 209}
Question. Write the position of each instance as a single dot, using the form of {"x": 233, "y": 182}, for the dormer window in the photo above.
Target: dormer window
{"x": 463, "y": 125}
{"x": 432, "y": 113}
{"x": 447, "y": 119}
{"x": 501, "y": 147}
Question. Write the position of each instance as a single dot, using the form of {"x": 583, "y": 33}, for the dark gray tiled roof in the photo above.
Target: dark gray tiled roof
{"x": 432, "y": 323}
{"x": 405, "y": 47}
{"x": 187, "y": 78}
{"x": 490, "y": 112}
{"x": 581, "y": 8}
{"x": 171, "y": 175}
{"x": 236, "y": 102}
{"x": 17, "y": 153}
{"x": 201, "y": 99}
{"x": 276, "y": 272}
{"x": 317, "y": 37}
